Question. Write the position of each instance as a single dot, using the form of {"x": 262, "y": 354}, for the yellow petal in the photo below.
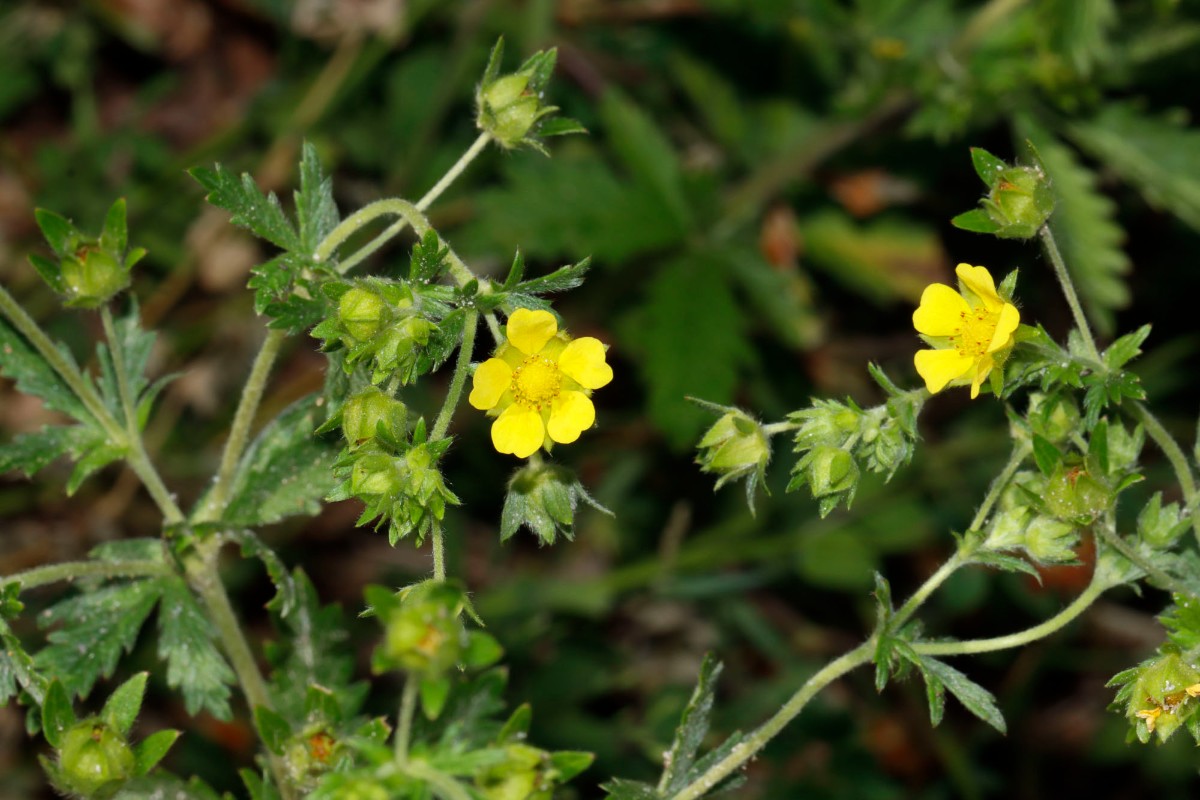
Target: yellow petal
{"x": 519, "y": 431}
{"x": 1009, "y": 319}
{"x": 492, "y": 379}
{"x": 571, "y": 414}
{"x": 940, "y": 312}
{"x": 583, "y": 361}
{"x": 982, "y": 369}
{"x": 978, "y": 281}
{"x": 939, "y": 367}
{"x": 529, "y": 330}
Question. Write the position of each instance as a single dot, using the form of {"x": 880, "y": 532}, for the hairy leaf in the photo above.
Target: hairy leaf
{"x": 286, "y": 471}
{"x": 194, "y": 665}
{"x": 250, "y": 208}
{"x": 693, "y": 727}
{"x": 19, "y": 361}
{"x": 315, "y": 209}
{"x": 30, "y": 452}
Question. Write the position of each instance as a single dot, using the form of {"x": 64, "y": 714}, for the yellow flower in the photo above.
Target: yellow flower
{"x": 971, "y": 330}
{"x": 538, "y": 384}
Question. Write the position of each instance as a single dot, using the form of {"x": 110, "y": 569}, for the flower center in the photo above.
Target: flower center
{"x": 978, "y": 328}
{"x": 536, "y": 382}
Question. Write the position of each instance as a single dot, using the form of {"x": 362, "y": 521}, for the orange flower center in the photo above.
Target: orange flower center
{"x": 536, "y": 382}
{"x": 975, "y": 334}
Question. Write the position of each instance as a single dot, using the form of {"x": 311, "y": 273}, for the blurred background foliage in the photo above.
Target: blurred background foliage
{"x": 765, "y": 192}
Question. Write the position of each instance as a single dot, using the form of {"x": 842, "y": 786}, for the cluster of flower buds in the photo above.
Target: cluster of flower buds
{"x": 394, "y": 473}
{"x": 543, "y": 498}
{"x": 1022, "y": 523}
{"x": 380, "y": 323}
{"x": 424, "y": 632}
{"x": 736, "y": 447}
{"x": 1018, "y": 202}
{"x": 837, "y": 440}
{"x": 88, "y": 270}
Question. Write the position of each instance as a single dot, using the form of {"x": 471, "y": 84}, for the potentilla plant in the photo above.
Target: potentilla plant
{"x": 1077, "y": 416}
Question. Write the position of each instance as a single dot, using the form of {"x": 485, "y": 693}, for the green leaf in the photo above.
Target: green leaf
{"x": 621, "y": 789}
{"x": 194, "y": 665}
{"x": 99, "y": 457}
{"x": 316, "y": 212}
{"x": 58, "y": 230}
{"x": 1160, "y": 155}
{"x": 987, "y": 166}
{"x": 680, "y": 357}
{"x": 434, "y": 693}
{"x": 30, "y": 452}
{"x": 1007, "y": 563}
{"x": 121, "y": 709}
{"x": 286, "y": 594}
{"x": 561, "y": 280}
{"x": 714, "y": 97}
{"x": 134, "y": 346}
{"x": 482, "y": 650}
{"x": 975, "y": 698}
{"x": 286, "y": 471}
{"x": 272, "y": 728}
{"x": 250, "y": 209}
{"x": 1127, "y": 348}
{"x": 648, "y": 155}
{"x": 148, "y": 752}
{"x": 1080, "y": 30}
{"x": 57, "y": 714}
{"x": 17, "y": 669}
{"x": 96, "y": 628}
{"x": 1045, "y": 454}
{"x": 976, "y": 221}
{"x": 693, "y": 727}
{"x": 1084, "y": 227}
{"x": 34, "y": 376}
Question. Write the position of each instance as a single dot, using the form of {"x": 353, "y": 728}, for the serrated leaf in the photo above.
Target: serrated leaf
{"x": 17, "y": 669}
{"x": 151, "y": 750}
{"x": 30, "y": 452}
{"x": 92, "y": 461}
{"x": 186, "y": 643}
{"x": 316, "y": 211}
{"x": 1084, "y": 227}
{"x": 561, "y": 280}
{"x": 1159, "y": 155}
{"x": 693, "y": 727}
{"x": 648, "y": 155}
{"x": 122, "y": 707}
{"x": 621, "y": 789}
{"x": 714, "y": 97}
{"x": 57, "y": 714}
{"x": 1006, "y": 562}
{"x": 248, "y": 206}
{"x": 287, "y": 471}
{"x": 286, "y": 594}
{"x": 1127, "y": 348}
{"x": 975, "y": 698}
{"x": 20, "y": 362}
{"x": 680, "y": 357}
{"x": 96, "y": 628}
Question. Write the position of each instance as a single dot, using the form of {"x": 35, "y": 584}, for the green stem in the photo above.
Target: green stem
{"x": 1077, "y": 607}
{"x": 425, "y": 202}
{"x": 754, "y": 742}
{"x": 73, "y": 570}
{"x": 970, "y": 543}
{"x": 779, "y": 427}
{"x": 138, "y": 458}
{"x": 205, "y": 579}
{"x": 438, "y": 543}
{"x": 1179, "y": 462}
{"x": 494, "y": 326}
{"x": 447, "y": 786}
{"x": 1068, "y": 288}
{"x": 239, "y": 432}
{"x": 408, "y": 705}
{"x": 1110, "y": 538}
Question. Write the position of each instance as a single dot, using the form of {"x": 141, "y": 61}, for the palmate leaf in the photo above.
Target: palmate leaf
{"x": 185, "y": 642}
{"x": 286, "y": 471}
{"x": 1084, "y": 226}
{"x": 1159, "y": 155}
{"x": 683, "y": 358}
{"x": 34, "y": 376}
{"x": 97, "y": 627}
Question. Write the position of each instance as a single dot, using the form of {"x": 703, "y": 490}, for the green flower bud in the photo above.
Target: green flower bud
{"x": 1054, "y": 419}
{"x": 734, "y": 446}
{"x": 424, "y": 633}
{"x": 399, "y": 346}
{"x": 374, "y": 475}
{"x": 1050, "y": 541}
{"x": 1161, "y": 526}
{"x": 1073, "y": 495}
{"x": 370, "y": 411}
{"x": 92, "y": 276}
{"x": 1164, "y": 695}
{"x": 308, "y": 755}
{"x": 362, "y": 313}
{"x": 1007, "y": 529}
{"x": 506, "y": 110}
{"x": 543, "y": 498}
{"x": 827, "y": 422}
{"x": 831, "y": 471}
{"x": 94, "y": 760}
{"x": 1019, "y": 202}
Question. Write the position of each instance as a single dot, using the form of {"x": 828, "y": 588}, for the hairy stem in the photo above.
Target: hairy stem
{"x": 1179, "y": 462}
{"x": 755, "y": 741}
{"x": 1113, "y": 540}
{"x": 1077, "y": 607}
{"x": 408, "y": 705}
{"x": 1068, "y": 288}
{"x": 967, "y": 549}
{"x": 239, "y": 432}
{"x": 425, "y": 202}
{"x": 138, "y": 458}
{"x": 72, "y": 570}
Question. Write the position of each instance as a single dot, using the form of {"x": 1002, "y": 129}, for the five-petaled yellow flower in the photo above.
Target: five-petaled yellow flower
{"x": 971, "y": 331}
{"x": 538, "y": 383}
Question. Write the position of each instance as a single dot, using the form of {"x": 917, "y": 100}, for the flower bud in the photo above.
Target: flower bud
{"x": 1007, "y": 529}
{"x": 507, "y": 110}
{"x": 370, "y": 412}
{"x": 92, "y": 276}
{"x": 733, "y": 447}
{"x": 1073, "y": 495}
{"x": 424, "y": 631}
{"x": 543, "y": 498}
{"x": 374, "y": 475}
{"x": 831, "y": 470}
{"x": 1160, "y": 526}
{"x": 307, "y": 755}
{"x": 94, "y": 760}
{"x": 1164, "y": 695}
{"x": 1050, "y": 541}
{"x": 362, "y": 313}
{"x": 1055, "y": 418}
{"x": 827, "y": 422}
{"x": 1019, "y": 202}
{"x": 400, "y": 345}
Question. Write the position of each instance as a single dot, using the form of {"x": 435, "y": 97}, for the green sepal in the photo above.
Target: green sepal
{"x": 976, "y": 221}
{"x": 435, "y": 690}
{"x": 151, "y": 750}
{"x": 121, "y": 709}
{"x": 58, "y": 716}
